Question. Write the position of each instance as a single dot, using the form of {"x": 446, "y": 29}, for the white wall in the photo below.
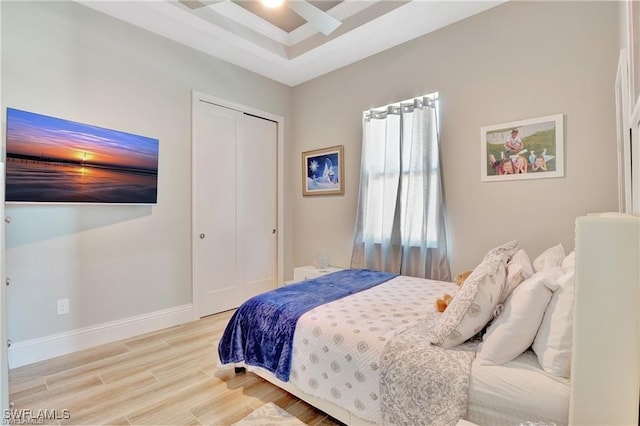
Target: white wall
{"x": 516, "y": 61}
{"x": 112, "y": 262}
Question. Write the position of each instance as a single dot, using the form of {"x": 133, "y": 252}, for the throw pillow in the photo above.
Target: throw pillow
{"x": 552, "y": 344}
{"x": 513, "y": 331}
{"x": 515, "y": 276}
{"x": 521, "y": 258}
{"x": 473, "y": 305}
{"x": 550, "y": 258}
{"x": 569, "y": 263}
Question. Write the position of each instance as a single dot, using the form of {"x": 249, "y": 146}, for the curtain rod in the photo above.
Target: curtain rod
{"x": 398, "y": 107}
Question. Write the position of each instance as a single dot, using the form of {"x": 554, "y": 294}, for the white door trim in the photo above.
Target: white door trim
{"x": 196, "y": 97}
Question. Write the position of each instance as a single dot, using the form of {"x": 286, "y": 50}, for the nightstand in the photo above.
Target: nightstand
{"x": 302, "y": 273}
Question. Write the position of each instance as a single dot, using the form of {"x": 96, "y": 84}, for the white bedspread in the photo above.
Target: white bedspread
{"x": 337, "y": 346}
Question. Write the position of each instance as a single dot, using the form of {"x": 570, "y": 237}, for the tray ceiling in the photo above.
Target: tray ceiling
{"x": 279, "y": 43}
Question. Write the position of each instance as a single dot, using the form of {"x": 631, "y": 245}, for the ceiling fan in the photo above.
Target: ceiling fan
{"x": 324, "y": 22}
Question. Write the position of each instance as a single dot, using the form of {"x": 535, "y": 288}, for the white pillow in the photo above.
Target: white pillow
{"x": 569, "y": 263}
{"x": 552, "y": 344}
{"x": 550, "y": 258}
{"x": 552, "y": 275}
{"x": 521, "y": 258}
{"x": 514, "y": 330}
{"x": 473, "y": 305}
{"x": 514, "y": 277}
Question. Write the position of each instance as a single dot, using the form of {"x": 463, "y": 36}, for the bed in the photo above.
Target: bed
{"x": 381, "y": 354}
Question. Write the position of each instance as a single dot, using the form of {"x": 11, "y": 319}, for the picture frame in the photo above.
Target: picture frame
{"x": 51, "y": 160}
{"x": 524, "y": 149}
{"x": 323, "y": 171}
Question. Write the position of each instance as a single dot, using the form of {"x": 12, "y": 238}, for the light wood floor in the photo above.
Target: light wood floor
{"x": 167, "y": 377}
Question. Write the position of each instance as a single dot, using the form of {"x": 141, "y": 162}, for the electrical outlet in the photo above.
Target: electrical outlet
{"x": 63, "y": 306}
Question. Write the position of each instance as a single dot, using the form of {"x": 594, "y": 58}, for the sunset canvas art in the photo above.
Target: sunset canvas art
{"x": 52, "y": 160}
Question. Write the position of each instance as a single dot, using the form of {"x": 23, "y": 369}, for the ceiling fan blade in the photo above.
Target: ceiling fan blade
{"x": 316, "y": 17}
{"x": 197, "y": 4}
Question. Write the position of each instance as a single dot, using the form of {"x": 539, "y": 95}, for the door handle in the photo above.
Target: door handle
{"x": 202, "y": 236}
{"x": 273, "y": 231}
{"x": 7, "y": 281}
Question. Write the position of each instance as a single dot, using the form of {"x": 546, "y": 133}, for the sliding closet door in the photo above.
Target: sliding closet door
{"x": 235, "y": 193}
{"x": 215, "y": 250}
{"x": 257, "y": 183}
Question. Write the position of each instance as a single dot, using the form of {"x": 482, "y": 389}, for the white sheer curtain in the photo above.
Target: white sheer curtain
{"x": 400, "y": 225}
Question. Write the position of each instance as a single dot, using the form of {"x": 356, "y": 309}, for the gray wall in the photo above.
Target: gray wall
{"x": 112, "y": 262}
{"x": 519, "y": 60}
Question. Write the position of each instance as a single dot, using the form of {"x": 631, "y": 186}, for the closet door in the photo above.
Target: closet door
{"x": 215, "y": 249}
{"x": 235, "y": 184}
{"x": 256, "y": 203}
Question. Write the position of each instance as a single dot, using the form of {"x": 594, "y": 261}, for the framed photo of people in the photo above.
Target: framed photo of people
{"x": 524, "y": 149}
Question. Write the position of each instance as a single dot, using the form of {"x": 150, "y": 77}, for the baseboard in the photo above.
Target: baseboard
{"x": 30, "y": 351}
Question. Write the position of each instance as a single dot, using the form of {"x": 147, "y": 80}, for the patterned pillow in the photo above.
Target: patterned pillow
{"x": 507, "y": 248}
{"x": 474, "y": 304}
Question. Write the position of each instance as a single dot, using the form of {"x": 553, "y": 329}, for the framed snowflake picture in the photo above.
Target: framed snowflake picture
{"x": 323, "y": 171}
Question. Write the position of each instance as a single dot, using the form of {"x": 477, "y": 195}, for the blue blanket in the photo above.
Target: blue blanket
{"x": 260, "y": 333}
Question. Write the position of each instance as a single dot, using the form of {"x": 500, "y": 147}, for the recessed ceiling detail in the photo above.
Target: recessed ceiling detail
{"x": 286, "y": 44}
{"x": 283, "y": 17}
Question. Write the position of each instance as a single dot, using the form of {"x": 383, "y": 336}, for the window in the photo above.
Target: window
{"x": 398, "y": 161}
{"x": 400, "y": 223}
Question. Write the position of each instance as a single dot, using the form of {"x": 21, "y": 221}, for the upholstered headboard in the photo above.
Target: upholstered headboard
{"x": 605, "y": 370}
